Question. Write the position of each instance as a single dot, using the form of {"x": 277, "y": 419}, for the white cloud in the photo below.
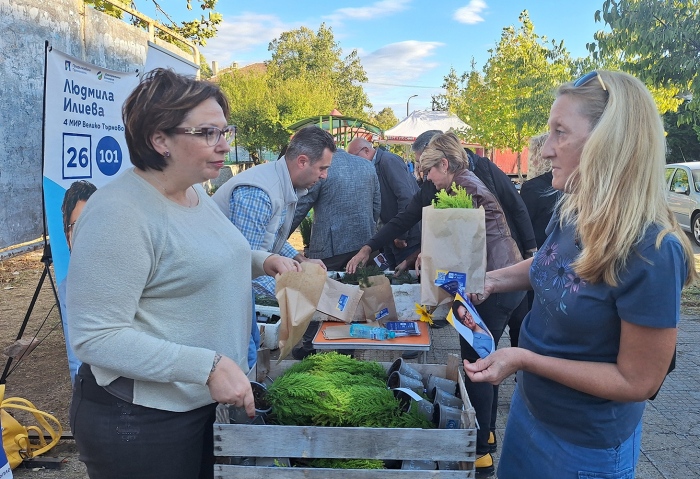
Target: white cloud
{"x": 399, "y": 62}
{"x": 470, "y": 13}
{"x": 375, "y": 11}
{"x": 395, "y": 69}
{"x": 242, "y": 34}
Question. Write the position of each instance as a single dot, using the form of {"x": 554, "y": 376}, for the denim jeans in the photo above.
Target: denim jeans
{"x": 531, "y": 450}
{"x": 120, "y": 440}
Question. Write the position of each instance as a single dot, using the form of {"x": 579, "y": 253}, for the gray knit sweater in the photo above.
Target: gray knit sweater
{"x": 155, "y": 288}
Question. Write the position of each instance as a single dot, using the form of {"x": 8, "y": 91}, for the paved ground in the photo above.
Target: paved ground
{"x": 671, "y": 434}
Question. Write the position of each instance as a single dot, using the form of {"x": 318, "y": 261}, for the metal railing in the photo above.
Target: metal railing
{"x": 154, "y": 25}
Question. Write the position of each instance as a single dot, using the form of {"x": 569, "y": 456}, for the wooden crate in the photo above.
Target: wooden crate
{"x": 269, "y": 441}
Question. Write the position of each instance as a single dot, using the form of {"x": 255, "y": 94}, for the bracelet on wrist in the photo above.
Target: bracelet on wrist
{"x": 217, "y": 358}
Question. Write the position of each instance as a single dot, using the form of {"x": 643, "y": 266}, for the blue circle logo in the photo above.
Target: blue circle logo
{"x": 108, "y": 156}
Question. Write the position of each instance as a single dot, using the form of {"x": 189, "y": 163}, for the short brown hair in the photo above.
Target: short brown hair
{"x": 311, "y": 141}
{"x": 160, "y": 102}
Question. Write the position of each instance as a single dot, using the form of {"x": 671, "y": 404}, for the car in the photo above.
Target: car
{"x": 683, "y": 195}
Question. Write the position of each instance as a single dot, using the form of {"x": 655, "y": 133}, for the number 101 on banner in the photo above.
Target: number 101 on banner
{"x": 77, "y": 159}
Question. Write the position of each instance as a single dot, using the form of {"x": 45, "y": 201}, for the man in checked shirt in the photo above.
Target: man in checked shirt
{"x": 261, "y": 200}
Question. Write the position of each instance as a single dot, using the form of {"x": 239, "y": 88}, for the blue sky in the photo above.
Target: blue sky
{"x": 406, "y": 46}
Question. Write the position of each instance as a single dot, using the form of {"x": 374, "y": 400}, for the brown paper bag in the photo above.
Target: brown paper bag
{"x": 339, "y": 300}
{"x": 298, "y": 294}
{"x": 378, "y": 300}
{"x": 452, "y": 239}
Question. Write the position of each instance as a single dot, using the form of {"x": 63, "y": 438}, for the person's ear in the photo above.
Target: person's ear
{"x": 303, "y": 161}
{"x": 159, "y": 142}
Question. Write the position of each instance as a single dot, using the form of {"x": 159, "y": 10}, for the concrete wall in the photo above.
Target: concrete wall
{"x": 76, "y": 30}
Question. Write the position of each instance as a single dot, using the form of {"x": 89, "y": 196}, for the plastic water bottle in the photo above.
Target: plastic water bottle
{"x": 370, "y": 332}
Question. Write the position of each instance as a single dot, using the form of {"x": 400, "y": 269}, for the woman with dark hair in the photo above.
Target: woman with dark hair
{"x": 595, "y": 346}
{"x": 159, "y": 292}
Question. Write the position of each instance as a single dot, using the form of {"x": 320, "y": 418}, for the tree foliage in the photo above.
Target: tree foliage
{"x": 205, "y": 71}
{"x": 658, "y": 41}
{"x": 385, "y": 119}
{"x": 262, "y": 109}
{"x": 315, "y": 57}
{"x": 510, "y": 101}
{"x": 682, "y": 139}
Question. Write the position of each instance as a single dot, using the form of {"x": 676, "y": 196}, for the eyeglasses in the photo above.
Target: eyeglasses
{"x": 588, "y": 77}
{"x": 211, "y": 134}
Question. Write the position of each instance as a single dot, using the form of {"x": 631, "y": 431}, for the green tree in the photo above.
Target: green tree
{"x": 315, "y": 57}
{"x": 385, "y": 119}
{"x": 205, "y": 71}
{"x": 262, "y": 109}
{"x": 253, "y": 111}
{"x": 681, "y": 140}
{"x": 658, "y": 41}
{"x": 510, "y": 102}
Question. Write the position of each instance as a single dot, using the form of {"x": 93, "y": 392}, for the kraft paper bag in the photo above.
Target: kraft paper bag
{"x": 378, "y": 300}
{"x": 298, "y": 294}
{"x": 452, "y": 239}
{"x": 339, "y": 301}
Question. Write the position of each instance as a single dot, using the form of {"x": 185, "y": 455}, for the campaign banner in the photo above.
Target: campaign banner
{"x": 84, "y": 144}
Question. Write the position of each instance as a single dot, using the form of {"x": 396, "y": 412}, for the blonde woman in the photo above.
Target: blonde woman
{"x": 594, "y": 347}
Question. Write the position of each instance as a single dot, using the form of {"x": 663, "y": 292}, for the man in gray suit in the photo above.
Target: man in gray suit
{"x": 346, "y": 207}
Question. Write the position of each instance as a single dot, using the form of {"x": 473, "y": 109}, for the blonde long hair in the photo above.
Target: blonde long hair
{"x": 617, "y": 191}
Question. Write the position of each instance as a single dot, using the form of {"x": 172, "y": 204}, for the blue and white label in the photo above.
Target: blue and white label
{"x": 451, "y": 281}
{"x": 380, "y": 314}
{"x": 342, "y": 302}
{"x": 108, "y": 155}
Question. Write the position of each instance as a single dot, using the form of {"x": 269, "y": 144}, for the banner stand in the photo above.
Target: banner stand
{"x": 45, "y": 257}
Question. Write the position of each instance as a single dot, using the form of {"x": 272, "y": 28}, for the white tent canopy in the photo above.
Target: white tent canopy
{"x": 420, "y": 121}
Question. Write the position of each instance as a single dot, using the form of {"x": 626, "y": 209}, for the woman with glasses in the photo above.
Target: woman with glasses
{"x": 159, "y": 293}
{"x": 595, "y": 345}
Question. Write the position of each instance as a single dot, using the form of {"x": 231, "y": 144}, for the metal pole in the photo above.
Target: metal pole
{"x": 407, "y": 101}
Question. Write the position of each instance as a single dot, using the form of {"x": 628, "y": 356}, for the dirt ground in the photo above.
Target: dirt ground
{"x": 42, "y": 377}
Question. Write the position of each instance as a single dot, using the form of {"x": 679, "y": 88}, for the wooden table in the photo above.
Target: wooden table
{"x": 404, "y": 343}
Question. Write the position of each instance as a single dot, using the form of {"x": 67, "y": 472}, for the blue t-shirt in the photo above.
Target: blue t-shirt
{"x": 573, "y": 319}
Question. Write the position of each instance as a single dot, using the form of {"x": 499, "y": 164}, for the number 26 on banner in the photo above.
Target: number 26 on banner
{"x": 77, "y": 150}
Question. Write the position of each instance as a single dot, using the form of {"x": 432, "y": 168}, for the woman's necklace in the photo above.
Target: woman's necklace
{"x": 190, "y": 202}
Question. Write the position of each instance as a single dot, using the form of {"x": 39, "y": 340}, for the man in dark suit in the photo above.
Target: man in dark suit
{"x": 397, "y": 187}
